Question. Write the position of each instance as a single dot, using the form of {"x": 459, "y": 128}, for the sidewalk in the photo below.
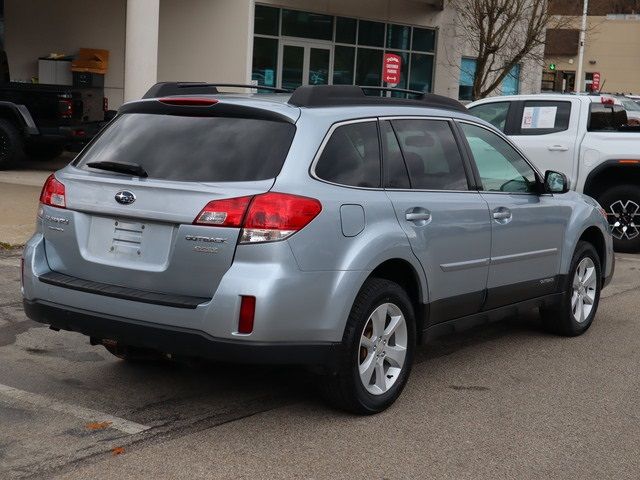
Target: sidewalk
{"x": 19, "y": 194}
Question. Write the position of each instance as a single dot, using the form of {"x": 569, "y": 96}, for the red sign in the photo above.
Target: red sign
{"x": 391, "y": 67}
{"x": 595, "y": 86}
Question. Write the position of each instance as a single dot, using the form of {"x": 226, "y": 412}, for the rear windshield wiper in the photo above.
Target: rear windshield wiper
{"x": 132, "y": 168}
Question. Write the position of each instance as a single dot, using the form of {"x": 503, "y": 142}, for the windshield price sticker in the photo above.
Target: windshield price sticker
{"x": 539, "y": 117}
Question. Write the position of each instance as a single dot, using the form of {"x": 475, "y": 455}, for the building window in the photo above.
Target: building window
{"x": 286, "y": 42}
{"x": 467, "y": 76}
{"x": 265, "y": 58}
{"x": 511, "y": 83}
{"x": 267, "y": 21}
{"x": 307, "y": 25}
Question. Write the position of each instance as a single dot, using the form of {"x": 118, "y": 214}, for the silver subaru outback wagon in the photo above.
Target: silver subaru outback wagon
{"x": 325, "y": 228}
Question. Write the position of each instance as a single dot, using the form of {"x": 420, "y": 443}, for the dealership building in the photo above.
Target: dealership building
{"x": 280, "y": 43}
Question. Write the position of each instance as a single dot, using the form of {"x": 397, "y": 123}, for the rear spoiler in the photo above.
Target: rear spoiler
{"x": 166, "y": 89}
{"x": 201, "y": 108}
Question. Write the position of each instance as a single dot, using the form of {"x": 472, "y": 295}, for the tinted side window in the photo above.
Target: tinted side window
{"x": 501, "y": 168}
{"x": 351, "y": 156}
{"x": 543, "y": 117}
{"x": 495, "y": 113}
{"x": 431, "y": 154}
{"x": 395, "y": 171}
{"x": 606, "y": 118}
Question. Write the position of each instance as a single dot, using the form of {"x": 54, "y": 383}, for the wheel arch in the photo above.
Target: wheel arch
{"x": 595, "y": 237}
{"x": 609, "y": 174}
{"x": 403, "y": 273}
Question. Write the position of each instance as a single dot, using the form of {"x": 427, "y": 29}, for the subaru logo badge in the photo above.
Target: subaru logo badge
{"x": 125, "y": 198}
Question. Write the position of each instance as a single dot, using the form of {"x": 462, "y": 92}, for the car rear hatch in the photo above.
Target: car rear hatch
{"x": 134, "y": 196}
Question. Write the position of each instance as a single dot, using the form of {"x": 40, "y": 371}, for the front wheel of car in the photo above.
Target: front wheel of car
{"x": 575, "y": 312}
{"x": 378, "y": 349}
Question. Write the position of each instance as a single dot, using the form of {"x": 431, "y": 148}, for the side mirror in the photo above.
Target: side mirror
{"x": 555, "y": 182}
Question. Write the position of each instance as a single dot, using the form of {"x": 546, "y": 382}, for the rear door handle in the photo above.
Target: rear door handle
{"x": 412, "y": 217}
{"x": 502, "y": 215}
{"x": 418, "y": 215}
{"x": 557, "y": 148}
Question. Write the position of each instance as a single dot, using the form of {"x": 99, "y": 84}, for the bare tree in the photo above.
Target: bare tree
{"x": 502, "y": 33}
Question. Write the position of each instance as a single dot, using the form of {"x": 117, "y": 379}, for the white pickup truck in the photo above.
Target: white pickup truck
{"x": 585, "y": 137}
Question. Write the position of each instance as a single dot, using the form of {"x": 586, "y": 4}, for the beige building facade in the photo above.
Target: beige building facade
{"x": 268, "y": 42}
{"x": 611, "y": 59}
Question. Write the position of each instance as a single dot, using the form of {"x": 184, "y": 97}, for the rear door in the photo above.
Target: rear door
{"x": 527, "y": 228}
{"x": 547, "y": 131}
{"x": 139, "y": 232}
{"x": 446, "y": 222}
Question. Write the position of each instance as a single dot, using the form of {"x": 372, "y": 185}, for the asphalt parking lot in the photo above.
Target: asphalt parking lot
{"x": 501, "y": 401}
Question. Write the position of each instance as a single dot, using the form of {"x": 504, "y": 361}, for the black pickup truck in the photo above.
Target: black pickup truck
{"x": 41, "y": 120}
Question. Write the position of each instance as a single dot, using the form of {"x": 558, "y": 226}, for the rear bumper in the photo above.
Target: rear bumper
{"x": 72, "y": 137}
{"x": 179, "y": 341}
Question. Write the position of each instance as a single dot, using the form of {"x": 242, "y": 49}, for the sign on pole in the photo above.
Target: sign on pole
{"x": 595, "y": 86}
{"x": 391, "y": 68}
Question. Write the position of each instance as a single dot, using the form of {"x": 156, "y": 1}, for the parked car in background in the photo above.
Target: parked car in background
{"x": 586, "y": 137}
{"x": 41, "y": 120}
{"x": 631, "y": 107}
{"x": 328, "y": 228}
{"x": 635, "y": 98}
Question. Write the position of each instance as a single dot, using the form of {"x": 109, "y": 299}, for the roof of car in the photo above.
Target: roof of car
{"x": 340, "y": 103}
{"x": 542, "y": 96}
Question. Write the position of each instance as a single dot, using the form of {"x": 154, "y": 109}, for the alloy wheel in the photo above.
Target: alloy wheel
{"x": 584, "y": 291}
{"x": 624, "y": 219}
{"x": 383, "y": 349}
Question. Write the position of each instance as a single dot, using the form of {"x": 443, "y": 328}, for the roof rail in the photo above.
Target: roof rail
{"x": 311, "y": 96}
{"x": 163, "y": 89}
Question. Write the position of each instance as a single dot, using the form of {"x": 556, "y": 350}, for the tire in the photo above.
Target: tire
{"x": 11, "y": 145}
{"x": 622, "y": 204}
{"x": 568, "y": 318}
{"x": 44, "y": 152}
{"x": 344, "y": 389}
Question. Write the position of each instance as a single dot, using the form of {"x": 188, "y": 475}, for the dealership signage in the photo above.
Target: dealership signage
{"x": 391, "y": 67}
{"x": 595, "y": 86}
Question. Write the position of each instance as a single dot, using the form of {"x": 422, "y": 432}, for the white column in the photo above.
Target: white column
{"x": 141, "y": 54}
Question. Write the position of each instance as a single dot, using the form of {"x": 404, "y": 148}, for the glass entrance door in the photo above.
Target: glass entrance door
{"x": 304, "y": 64}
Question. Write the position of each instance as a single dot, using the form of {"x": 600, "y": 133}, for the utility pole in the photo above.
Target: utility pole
{"x": 583, "y": 31}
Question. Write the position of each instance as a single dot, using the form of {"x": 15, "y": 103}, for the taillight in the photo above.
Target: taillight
{"x": 65, "y": 107}
{"x": 247, "y": 314}
{"x": 105, "y": 104}
{"x": 22, "y": 272}
{"x": 53, "y": 193}
{"x": 267, "y": 217}
{"x": 224, "y": 213}
{"x": 276, "y": 216}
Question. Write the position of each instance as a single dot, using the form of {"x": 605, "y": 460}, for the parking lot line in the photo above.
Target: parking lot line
{"x": 13, "y": 395}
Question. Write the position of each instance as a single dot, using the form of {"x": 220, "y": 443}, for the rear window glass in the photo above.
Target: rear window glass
{"x": 544, "y": 117}
{"x": 194, "y": 149}
{"x": 606, "y": 118}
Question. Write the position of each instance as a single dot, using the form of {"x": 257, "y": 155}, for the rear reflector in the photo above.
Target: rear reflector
{"x": 65, "y": 107}
{"x": 247, "y": 313}
{"x": 629, "y": 161}
{"x": 53, "y": 193}
{"x": 189, "y": 101}
{"x": 268, "y": 217}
